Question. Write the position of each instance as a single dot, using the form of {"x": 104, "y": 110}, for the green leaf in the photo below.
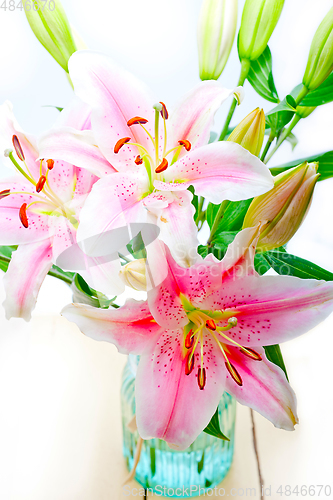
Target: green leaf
{"x": 203, "y": 251}
{"x": 261, "y": 265}
{"x": 223, "y": 240}
{"x": 56, "y": 272}
{"x": 279, "y": 116}
{"x": 325, "y": 165}
{"x": 321, "y": 95}
{"x": 83, "y": 293}
{"x": 233, "y": 216}
{"x": 201, "y": 463}
{"x": 291, "y": 265}
{"x": 50, "y": 106}
{"x": 136, "y": 247}
{"x": 274, "y": 354}
{"x": 214, "y": 429}
{"x": 261, "y": 78}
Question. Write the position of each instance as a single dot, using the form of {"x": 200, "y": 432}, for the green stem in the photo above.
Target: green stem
{"x": 245, "y": 68}
{"x": 52, "y": 272}
{"x": 267, "y": 146}
{"x": 284, "y": 136}
{"x": 218, "y": 218}
{"x": 304, "y": 91}
{"x": 200, "y": 205}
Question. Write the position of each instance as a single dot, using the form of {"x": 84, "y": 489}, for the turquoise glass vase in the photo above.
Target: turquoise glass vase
{"x": 180, "y": 474}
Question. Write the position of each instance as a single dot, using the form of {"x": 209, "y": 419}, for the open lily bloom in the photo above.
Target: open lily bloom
{"x": 201, "y": 332}
{"x": 156, "y": 158}
{"x": 39, "y": 211}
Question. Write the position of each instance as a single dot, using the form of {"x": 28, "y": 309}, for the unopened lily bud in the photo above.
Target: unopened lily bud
{"x": 52, "y": 29}
{"x": 250, "y": 132}
{"x": 134, "y": 274}
{"x": 320, "y": 60}
{"x": 258, "y": 22}
{"x": 283, "y": 209}
{"x": 216, "y": 33}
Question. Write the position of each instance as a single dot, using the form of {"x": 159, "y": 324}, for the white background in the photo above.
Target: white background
{"x": 156, "y": 40}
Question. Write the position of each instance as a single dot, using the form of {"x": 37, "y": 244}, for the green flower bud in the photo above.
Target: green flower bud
{"x": 216, "y": 33}
{"x": 283, "y": 209}
{"x": 52, "y": 29}
{"x": 320, "y": 60}
{"x": 250, "y": 132}
{"x": 258, "y": 22}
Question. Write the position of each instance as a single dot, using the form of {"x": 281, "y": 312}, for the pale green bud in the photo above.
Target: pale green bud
{"x": 258, "y": 23}
{"x": 216, "y": 33}
{"x": 320, "y": 60}
{"x": 250, "y": 132}
{"x": 52, "y": 29}
{"x": 134, "y": 274}
{"x": 282, "y": 210}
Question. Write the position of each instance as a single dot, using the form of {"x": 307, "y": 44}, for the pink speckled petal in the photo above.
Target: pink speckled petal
{"x": 26, "y": 272}
{"x": 114, "y": 202}
{"x": 12, "y": 232}
{"x": 272, "y": 309}
{"x": 115, "y": 96}
{"x": 171, "y": 280}
{"x": 193, "y": 117}
{"x": 174, "y": 216}
{"x": 219, "y": 171}
{"x": 265, "y": 388}
{"x": 130, "y": 328}
{"x": 76, "y": 147}
{"x": 239, "y": 258}
{"x": 169, "y": 404}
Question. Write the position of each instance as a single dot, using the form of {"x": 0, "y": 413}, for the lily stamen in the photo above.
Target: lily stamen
{"x": 119, "y": 144}
{"x": 137, "y": 120}
{"x": 201, "y": 376}
{"x": 23, "y": 215}
{"x": 162, "y": 166}
{"x": 187, "y": 145}
{"x": 4, "y": 193}
{"x": 18, "y": 148}
{"x": 40, "y": 183}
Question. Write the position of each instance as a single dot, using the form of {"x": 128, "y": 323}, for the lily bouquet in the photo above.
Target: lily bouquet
{"x": 125, "y": 192}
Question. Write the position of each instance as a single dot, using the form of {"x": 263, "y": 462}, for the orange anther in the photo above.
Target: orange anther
{"x": 138, "y": 160}
{"x": 189, "y": 339}
{"x": 4, "y": 193}
{"x": 40, "y": 183}
{"x": 50, "y": 164}
{"x": 251, "y": 353}
{"x": 162, "y": 166}
{"x": 164, "y": 111}
{"x": 210, "y": 324}
{"x": 189, "y": 363}
{"x": 187, "y": 145}
{"x": 120, "y": 144}
{"x": 23, "y": 215}
{"x": 201, "y": 378}
{"x": 18, "y": 148}
{"x": 136, "y": 121}
{"x": 234, "y": 373}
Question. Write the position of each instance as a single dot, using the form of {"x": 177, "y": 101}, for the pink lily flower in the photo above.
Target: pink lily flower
{"x": 156, "y": 158}
{"x": 40, "y": 210}
{"x": 201, "y": 333}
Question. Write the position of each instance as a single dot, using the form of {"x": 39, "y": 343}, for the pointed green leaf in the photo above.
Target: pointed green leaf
{"x": 278, "y": 117}
{"x": 214, "y": 429}
{"x": 287, "y": 264}
{"x": 321, "y": 95}
{"x": 261, "y": 77}
{"x": 274, "y": 354}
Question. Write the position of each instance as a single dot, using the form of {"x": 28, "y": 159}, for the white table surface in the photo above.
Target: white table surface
{"x": 60, "y": 423}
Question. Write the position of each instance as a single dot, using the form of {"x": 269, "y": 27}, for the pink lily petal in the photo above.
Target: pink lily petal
{"x": 131, "y": 328}
{"x": 77, "y": 114}
{"x": 101, "y": 273}
{"x": 114, "y": 202}
{"x": 169, "y": 404}
{"x": 26, "y": 272}
{"x": 10, "y": 127}
{"x": 193, "y": 117}
{"x": 174, "y": 216}
{"x": 272, "y": 309}
{"x": 265, "y": 388}
{"x": 12, "y": 231}
{"x": 239, "y": 258}
{"x": 219, "y": 171}
{"x": 84, "y": 182}
{"x": 172, "y": 280}
{"x": 115, "y": 97}
{"x": 76, "y": 147}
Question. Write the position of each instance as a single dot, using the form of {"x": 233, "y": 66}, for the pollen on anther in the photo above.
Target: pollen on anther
{"x": 18, "y": 148}
{"x": 189, "y": 363}
{"x": 164, "y": 111}
{"x": 40, "y": 183}
{"x": 234, "y": 373}
{"x": 162, "y": 166}
{"x": 138, "y": 160}
{"x": 189, "y": 340}
{"x": 201, "y": 378}
{"x": 120, "y": 143}
{"x": 23, "y": 215}
{"x": 210, "y": 324}
{"x": 136, "y": 121}
{"x": 187, "y": 145}
{"x": 251, "y": 353}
